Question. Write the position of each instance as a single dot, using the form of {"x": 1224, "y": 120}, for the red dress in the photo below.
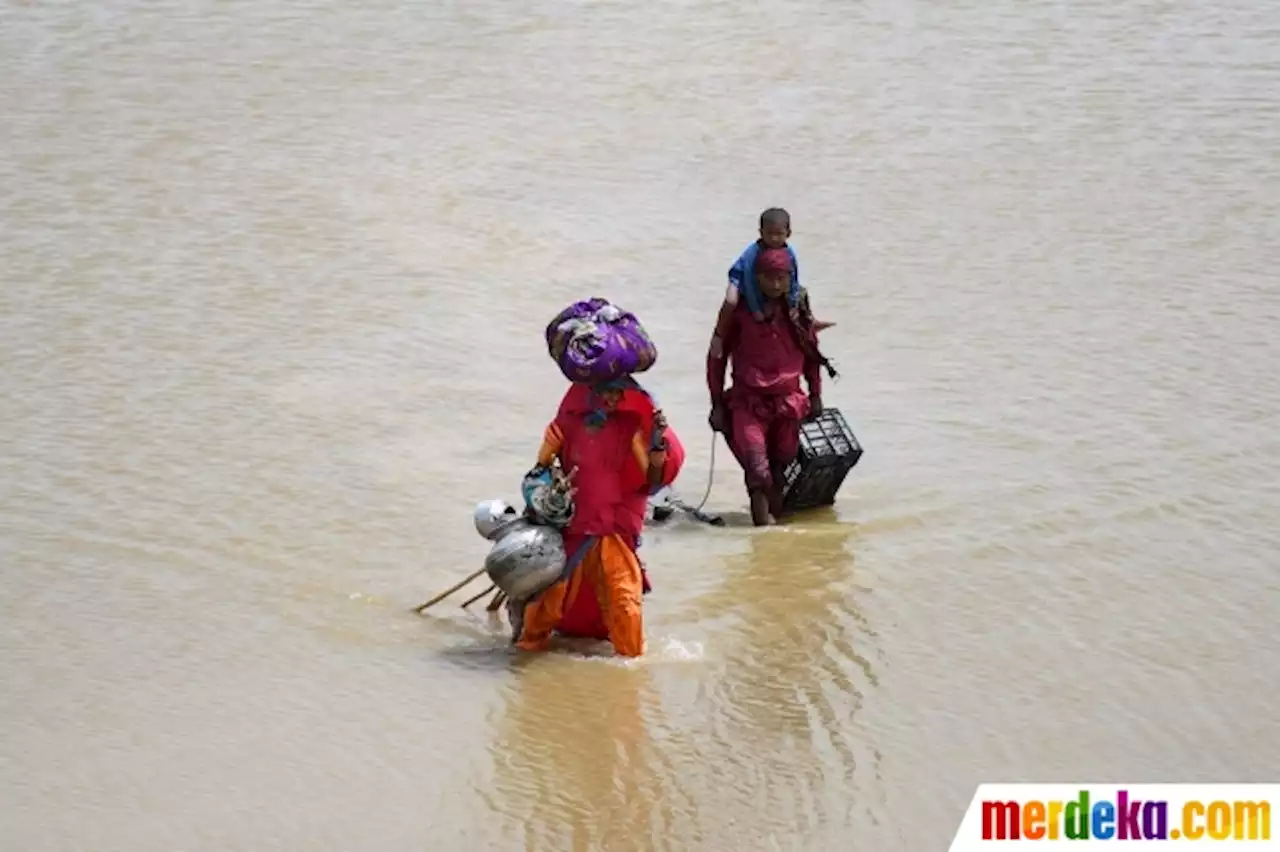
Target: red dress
{"x": 767, "y": 402}
{"x": 613, "y": 491}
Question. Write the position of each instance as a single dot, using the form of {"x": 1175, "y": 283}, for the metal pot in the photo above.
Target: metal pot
{"x": 526, "y": 558}
{"x": 491, "y": 516}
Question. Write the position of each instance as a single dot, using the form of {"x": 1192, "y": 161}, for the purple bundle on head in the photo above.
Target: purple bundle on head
{"x": 595, "y": 341}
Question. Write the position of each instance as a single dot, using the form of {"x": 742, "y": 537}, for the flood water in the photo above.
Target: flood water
{"x": 275, "y": 278}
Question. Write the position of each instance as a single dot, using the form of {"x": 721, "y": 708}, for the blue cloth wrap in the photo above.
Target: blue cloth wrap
{"x": 743, "y": 276}
{"x": 534, "y": 479}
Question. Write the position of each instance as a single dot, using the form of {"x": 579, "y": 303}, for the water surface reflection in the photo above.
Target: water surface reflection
{"x": 575, "y": 762}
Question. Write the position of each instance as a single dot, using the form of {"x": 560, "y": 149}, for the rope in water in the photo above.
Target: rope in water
{"x": 711, "y": 473}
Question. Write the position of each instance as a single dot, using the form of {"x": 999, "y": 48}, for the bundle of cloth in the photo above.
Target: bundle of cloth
{"x": 611, "y": 437}
{"x": 595, "y": 341}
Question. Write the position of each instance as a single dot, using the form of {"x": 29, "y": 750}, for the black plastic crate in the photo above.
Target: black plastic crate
{"x": 828, "y": 451}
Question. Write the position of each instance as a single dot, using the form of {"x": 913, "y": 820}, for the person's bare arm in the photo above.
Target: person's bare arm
{"x": 658, "y": 451}
{"x": 723, "y": 343}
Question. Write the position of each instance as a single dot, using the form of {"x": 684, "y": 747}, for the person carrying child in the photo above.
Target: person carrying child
{"x": 772, "y": 340}
{"x": 775, "y": 231}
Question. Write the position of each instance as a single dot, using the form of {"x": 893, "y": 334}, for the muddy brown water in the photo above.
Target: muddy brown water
{"x": 274, "y": 282}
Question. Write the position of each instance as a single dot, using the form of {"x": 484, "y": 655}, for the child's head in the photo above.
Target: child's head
{"x": 773, "y": 272}
{"x": 775, "y": 227}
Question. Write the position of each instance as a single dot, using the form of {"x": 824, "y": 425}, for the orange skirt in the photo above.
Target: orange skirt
{"x": 601, "y": 599}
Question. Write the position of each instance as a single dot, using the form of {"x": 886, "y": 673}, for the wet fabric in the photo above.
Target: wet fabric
{"x": 742, "y": 277}
{"x": 767, "y": 401}
{"x": 803, "y": 323}
{"x": 767, "y": 354}
{"x": 542, "y": 496}
{"x": 601, "y": 596}
{"x": 595, "y": 341}
{"x": 774, "y": 260}
{"x": 764, "y": 434}
{"x": 600, "y": 600}
{"x": 582, "y": 405}
{"x": 583, "y": 614}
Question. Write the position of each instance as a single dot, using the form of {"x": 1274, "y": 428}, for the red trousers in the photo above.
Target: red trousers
{"x": 764, "y": 434}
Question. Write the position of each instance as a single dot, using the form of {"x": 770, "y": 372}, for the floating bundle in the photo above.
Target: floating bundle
{"x": 595, "y": 341}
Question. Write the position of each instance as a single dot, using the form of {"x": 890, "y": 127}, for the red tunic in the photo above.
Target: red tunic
{"x": 767, "y": 403}
{"x": 768, "y": 359}
{"x": 613, "y": 490}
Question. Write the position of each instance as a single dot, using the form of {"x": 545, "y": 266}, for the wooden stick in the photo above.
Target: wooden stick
{"x": 496, "y": 602}
{"x": 492, "y": 586}
{"x": 449, "y": 591}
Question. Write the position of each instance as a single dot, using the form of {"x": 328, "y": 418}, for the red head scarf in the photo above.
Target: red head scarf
{"x": 773, "y": 260}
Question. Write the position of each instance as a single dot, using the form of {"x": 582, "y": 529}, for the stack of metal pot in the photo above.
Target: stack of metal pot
{"x": 528, "y": 554}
